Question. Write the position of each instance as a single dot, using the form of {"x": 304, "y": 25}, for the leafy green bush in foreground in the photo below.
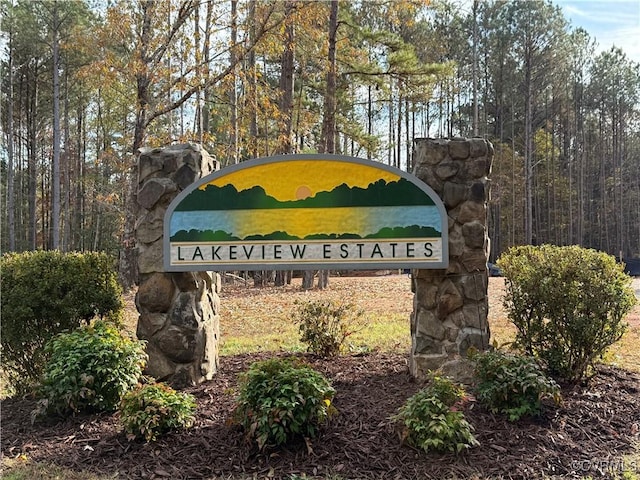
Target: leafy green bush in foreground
{"x": 153, "y": 409}
{"x": 431, "y": 419}
{"x": 567, "y": 303}
{"x": 90, "y": 368}
{"x": 513, "y": 384}
{"x": 282, "y": 400}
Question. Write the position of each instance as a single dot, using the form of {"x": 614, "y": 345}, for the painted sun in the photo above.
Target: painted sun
{"x": 302, "y": 192}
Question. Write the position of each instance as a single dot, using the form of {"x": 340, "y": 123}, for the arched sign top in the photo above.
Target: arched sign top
{"x": 306, "y": 212}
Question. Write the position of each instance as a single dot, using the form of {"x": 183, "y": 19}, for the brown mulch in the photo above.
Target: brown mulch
{"x": 586, "y": 436}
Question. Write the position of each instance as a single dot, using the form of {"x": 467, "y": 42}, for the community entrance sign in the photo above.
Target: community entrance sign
{"x": 306, "y": 212}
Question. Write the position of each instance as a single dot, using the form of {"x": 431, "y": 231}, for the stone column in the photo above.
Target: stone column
{"x": 179, "y": 312}
{"x": 450, "y": 306}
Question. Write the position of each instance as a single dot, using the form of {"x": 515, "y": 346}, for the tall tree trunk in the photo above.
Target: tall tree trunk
{"x": 11, "y": 200}
{"x": 528, "y": 152}
{"x": 475, "y": 69}
{"x": 604, "y": 207}
{"x": 253, "y": 83}
{"x": 618, "y": 169}
{"x": 32, "y": 170}
{"x": 286, "y": 100}
{"x": 399, "y": 127}
{"x": 369, "y": 118}
{"x": 407, "y": 134}
{"x": 571, "y": 161}
{"x": 66, "y": 206}
{"x": 514, "y": 215}
{"x": 55, "y": 180}
{"x": 581, "y": 181}
{"x": 329, "y": 119}
{"x": 206, "y": 50}
{"x": 391, "y": 150}
{"x": 78, "y": 218}
{"x": 233, "y": 90}
{"x": 328, "y": 138}
{"x": 198, "y": 60}
{"x": 298, "y": 135}
{"x": 287, "y": 60}
{"x": 307, "y": 279}
{"x": 128, "y": 267}
{"x": 98, "y": 215}
{"x": 45, "y": 211}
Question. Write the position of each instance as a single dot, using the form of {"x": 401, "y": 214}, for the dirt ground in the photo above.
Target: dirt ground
{"x": 586, "y": 436}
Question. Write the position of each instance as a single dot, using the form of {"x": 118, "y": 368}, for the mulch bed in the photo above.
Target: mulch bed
{"x": 586, "y": 436}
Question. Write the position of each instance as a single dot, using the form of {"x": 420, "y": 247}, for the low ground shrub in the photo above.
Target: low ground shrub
{"x": 325, "y": 325}
{"x": 48, "y": 292}
{"x": 154, "y": 409}
{"x": 90, "y": 369}
{"x": 282, "y": 400}
{"x": 513, "y": 385}
{"x": 432, "y": 418}
{"x": 567, "y": 303}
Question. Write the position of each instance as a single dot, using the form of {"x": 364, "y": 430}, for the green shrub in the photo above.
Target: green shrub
{"x": 282, "y": 400}
{"x": 45, "y": 293}
{"x": 431, "y": 419}
{"x": 90, "y": 368}
{"x": 153, "y": 409}
{"x": 567, "y": 303}
{"x": 514, "y": 385}
{"x": 325, "y": 325}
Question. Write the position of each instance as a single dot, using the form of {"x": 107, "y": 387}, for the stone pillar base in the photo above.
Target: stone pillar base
{"x": 179, "y": 312}
{"x": 451, "y": 306}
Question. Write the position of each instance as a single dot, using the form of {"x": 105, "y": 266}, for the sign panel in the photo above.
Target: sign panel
{"x": 306, "y": 212}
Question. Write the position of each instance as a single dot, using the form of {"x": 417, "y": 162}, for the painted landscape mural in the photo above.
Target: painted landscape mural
{"x": 309, "y": 207}
{"x": 384, "y": 208}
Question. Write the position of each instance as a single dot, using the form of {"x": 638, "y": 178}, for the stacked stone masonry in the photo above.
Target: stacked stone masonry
{"x": 451, "y": 306}
{"x": 179, "y": 312}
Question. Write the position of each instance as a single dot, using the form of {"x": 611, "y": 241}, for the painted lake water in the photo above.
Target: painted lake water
{"x": 301, "y": 222}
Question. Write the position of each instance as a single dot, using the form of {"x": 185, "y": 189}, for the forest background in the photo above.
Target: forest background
{"x": 87, "y": 83}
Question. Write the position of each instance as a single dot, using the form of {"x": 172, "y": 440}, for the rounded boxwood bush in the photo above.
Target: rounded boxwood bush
{"x": 282, "y": 400}
{"x": 567, "y": 303}
{"x": 48, "y": 292}
{"x": 90, "y": 369}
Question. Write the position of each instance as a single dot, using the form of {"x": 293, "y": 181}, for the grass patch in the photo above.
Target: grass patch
{"x": 503, "y": 332}
{"x": 262, "y": 319}
{"x": 6, "y": 389}
{"x": 21, "y": 468}
{"x": 384, "y": 333}
{"x": 631, "y": 465}
{"x": 625, "y": 353}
